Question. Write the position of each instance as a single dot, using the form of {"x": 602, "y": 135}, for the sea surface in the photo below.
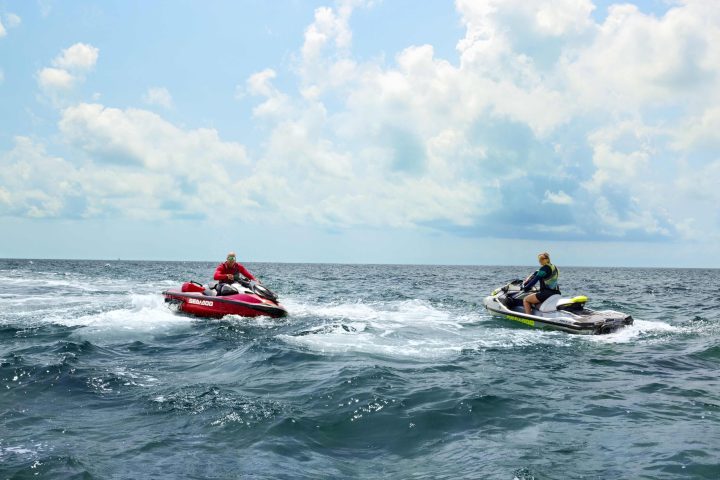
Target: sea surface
{"x": 380, "y": 371}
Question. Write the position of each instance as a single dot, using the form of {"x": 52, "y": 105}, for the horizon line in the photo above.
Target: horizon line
{"x": 351, "y": 263}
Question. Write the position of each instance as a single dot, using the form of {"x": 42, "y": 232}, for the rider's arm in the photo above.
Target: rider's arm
{"x": 244, "y": 271}
{"x": 220, "y": 273}
{"x": 530, "y": 281}
{"x": 542, "y": 273}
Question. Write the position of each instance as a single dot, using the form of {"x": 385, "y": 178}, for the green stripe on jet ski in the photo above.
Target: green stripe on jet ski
{"x": 521, "y": 320}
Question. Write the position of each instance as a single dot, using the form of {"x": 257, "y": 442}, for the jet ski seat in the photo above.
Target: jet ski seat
{"x": 549, "y": 305}
{"x": 225, "y": 289}
{"x": 575, "y": 303}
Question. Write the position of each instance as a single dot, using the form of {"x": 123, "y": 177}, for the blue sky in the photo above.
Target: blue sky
{"x": 469, "y": 132}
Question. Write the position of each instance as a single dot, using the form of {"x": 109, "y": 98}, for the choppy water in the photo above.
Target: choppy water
{"x": 379, "y": 371}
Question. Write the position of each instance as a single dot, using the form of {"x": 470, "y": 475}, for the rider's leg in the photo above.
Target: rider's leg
{"x": 528, "y": 302}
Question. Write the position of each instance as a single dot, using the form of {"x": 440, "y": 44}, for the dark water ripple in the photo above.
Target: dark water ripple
{"x": 380, "y": 371}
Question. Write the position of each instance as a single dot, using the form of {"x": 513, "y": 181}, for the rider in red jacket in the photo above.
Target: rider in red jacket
{"x": 226, "y": 271}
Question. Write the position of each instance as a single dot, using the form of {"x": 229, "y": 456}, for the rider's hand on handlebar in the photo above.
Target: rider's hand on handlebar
{"x": 230, "y": 276}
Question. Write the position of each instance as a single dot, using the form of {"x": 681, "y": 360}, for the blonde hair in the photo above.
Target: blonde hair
{"x": 544, "y": 255}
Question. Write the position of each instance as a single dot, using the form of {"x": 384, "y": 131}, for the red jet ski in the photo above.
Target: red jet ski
{"x": 247, "y": 299}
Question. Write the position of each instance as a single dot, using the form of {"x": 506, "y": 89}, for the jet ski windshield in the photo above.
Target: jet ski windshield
{"x": 256, "y": 288}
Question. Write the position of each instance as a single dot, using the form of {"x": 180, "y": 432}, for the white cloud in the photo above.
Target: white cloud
{"x": 701, "y": 183}
{"x": 12, "y": 20}
{"x": 140, "y": 155}
{"x": 158, "y": 96}
{"x": 80, "y": 57}
{"x": 329, "y": 27}
{"x": 341, "y": 171}
{"x": 633, "y": 217}
{"x": 135, "y": 165}
{"x": 541, "y": 66}
{"x": 144, "y": 138}
{"x": 620, "y": 166}
{"x": 694, "y": 199}
{"x": 2, "y": 76}
{"x": 631, "y": 180}
{"x": 486, "y": 21}
{"x": 260, "y": 83}
{"x": 276, "y": 105}
{"x": 560, "y": 17}
{"x": 559, "y": 198}
{"x": 496, "y": 29}
{"x": 701, "y": 131}
{"x": 45, "y": 7}
{"x": 545, "y": 107}
{"x": 55, "y": 79}
{"x": 69, "y": 69}
{"x": 327, "y": 41}
{"x": 34, "y": 182}
{"x": 637, "y": 59}
{"x": 5, "y": 196}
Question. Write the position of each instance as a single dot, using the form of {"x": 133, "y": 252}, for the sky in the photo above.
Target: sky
{"x": 475, "y": 132}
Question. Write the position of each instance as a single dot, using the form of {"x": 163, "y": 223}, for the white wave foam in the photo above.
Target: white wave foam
{"x": 396, "y": 313}
{"x": 361, "y": 342}
{"x": 407, "y": 328}
{"x": 135, "y": 378}
{"x": 639, "y": 329}
{"x": 258, "y": 322}
{"x": 19, "y": 285}
{"x": 426, "y": 345}
{"x": 24, "y": 451}
{"x": 419, "y": 329}
{"x": 50, "y": 280}
{"x": 146, "y": 314}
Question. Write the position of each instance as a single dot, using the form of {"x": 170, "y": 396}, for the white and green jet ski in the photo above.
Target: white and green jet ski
{"x": 557, "y": 312}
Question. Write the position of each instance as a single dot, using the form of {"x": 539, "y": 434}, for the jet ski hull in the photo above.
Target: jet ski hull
{"x": 581, "y": 321}
{"x": 243, "y": 304}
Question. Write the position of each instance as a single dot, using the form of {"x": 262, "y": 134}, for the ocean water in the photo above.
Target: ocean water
{"x": 378, "y": 372}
